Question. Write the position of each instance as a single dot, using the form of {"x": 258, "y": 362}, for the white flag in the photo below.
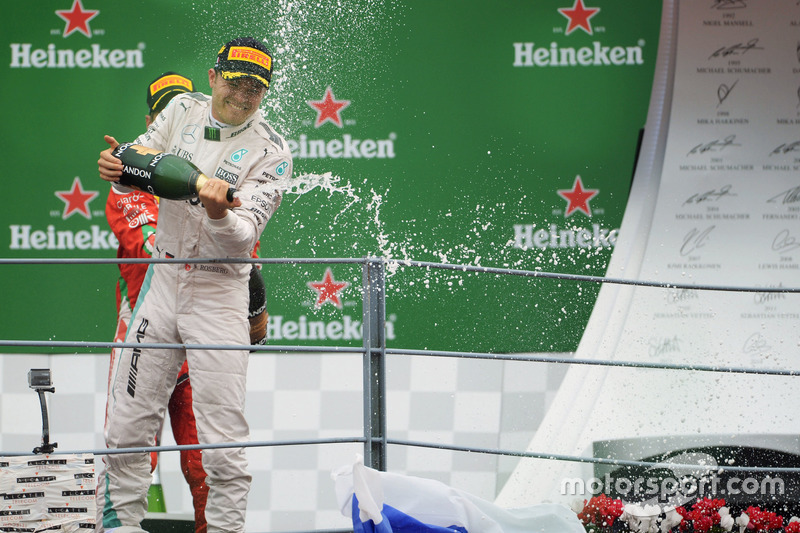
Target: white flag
{"x": 383, "y": 502}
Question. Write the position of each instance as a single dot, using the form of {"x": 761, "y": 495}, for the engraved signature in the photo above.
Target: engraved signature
{"x": 767, "y": 297}
{"x": 681, "y": 295}
{"x": 717, "y": 145}
{"x": 723, "y": 91}
{"x": 659, "y": 347}
{"x": 789, "y": 196}
{"x": 738, "y": 49}
{"x": 728, "y": 4}
{"x": 713, "y": 195}
{"x": 786, "y": 148}
{"x": 755, "y": 343}
{"x": 784, "y": 242}
{"x": 695, "y": 239}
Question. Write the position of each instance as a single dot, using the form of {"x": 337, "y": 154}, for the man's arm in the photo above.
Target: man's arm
{"x": 109, "y": 166}
{"x": 238, "y": 229}
{"x": 214, "y": 198}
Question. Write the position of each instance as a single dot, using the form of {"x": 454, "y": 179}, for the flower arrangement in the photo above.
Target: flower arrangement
{"x": 599, "y": 513}
{"x": 602, "y": 514}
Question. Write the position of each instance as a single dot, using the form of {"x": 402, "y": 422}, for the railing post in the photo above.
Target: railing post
{"x": 374, "y": 334}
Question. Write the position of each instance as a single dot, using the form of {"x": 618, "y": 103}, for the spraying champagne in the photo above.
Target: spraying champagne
{"x": 159, "y": 173}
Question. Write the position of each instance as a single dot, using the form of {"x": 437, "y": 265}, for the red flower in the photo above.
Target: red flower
{"x": 601, "y": 511}
{"x": 761, "y": 520}
{"x": 685, "y": 515}
{"x": 709, "y": 507}
{"x": 793, "y": 527}
{"x": 703, "y": 516}
{"x": 703, "y": 523}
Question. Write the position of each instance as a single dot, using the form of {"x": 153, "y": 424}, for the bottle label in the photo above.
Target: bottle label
{"x": 159, "y": 173}
{"x": 138, "y": 165}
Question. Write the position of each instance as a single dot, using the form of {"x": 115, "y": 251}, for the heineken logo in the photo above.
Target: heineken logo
{"x": 348, "y": 146}
{"x": 329, "y": 109}
{"x": 76, "y": 200}
{"x": 597, "y": 55}
{"x": 579, "y": 17}
{"x": 304, "y": 328}
{"x": 77, "y": 19}
{"x": 328, "y": 290}
{"x": 553, "y": 236}
{"x": 51, "y": 56}
{"x": 24, "y": 55}
{"x": 25, "y": 237}
{"x": 578, "y": 198}
{"x": 529, "y": 236}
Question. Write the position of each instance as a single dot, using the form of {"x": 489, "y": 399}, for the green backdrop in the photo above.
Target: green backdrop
{"x": 449, "y": 130}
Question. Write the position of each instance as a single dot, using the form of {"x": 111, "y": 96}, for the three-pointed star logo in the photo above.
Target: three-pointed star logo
{"x": 578, "y": 198}
{"x": 77, "y": 19}
{"x": 76, "y": 200}
{"x": 579, "y": 16}
{"x": 328, "y": 109}
{"x": 328, "y": 289}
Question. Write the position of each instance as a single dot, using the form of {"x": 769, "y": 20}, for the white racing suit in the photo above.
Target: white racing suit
{"x": 194, "y": 304}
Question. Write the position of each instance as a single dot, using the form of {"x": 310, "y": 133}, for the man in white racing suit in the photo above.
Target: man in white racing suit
{"x": 197, "y": 303}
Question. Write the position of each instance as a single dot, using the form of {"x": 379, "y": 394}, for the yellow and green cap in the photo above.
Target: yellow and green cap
{"x": 245, "y": 57}
{"x": 162, "y": 89}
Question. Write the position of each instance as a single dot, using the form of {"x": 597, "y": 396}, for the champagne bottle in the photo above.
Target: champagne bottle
{"x": 155, "y": 494}
{"x": 159, "y": 173}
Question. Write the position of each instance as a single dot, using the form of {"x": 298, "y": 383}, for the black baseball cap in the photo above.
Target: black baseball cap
{"x": 162, "y": 89}
{"x": 245, "y": 57}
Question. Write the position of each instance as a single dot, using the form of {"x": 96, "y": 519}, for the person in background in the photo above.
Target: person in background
{"x": 133, "y": 218}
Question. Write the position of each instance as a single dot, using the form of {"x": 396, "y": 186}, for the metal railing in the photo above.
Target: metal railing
{"x": 374, "y": 352}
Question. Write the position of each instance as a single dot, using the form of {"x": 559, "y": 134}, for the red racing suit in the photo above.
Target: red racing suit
{"x": 195, "y": 304}
{"x": 133, "y": 216}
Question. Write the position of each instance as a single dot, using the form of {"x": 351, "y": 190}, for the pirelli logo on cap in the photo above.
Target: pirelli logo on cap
{"x": 245, "y": 53}
{"x": 169, "y": 81}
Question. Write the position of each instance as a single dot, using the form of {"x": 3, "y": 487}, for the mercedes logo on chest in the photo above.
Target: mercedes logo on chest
{"x": 189, "y": 133}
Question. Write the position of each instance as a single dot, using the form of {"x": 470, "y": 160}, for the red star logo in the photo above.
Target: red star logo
{"x": 329, "y": 108}
{"x": 76, "y": 199}
{"x": 77, "y": 18}
{"x": 579, "y": 16}
{"x": 328, "y": 289}
{"x": 578, "y": 198}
